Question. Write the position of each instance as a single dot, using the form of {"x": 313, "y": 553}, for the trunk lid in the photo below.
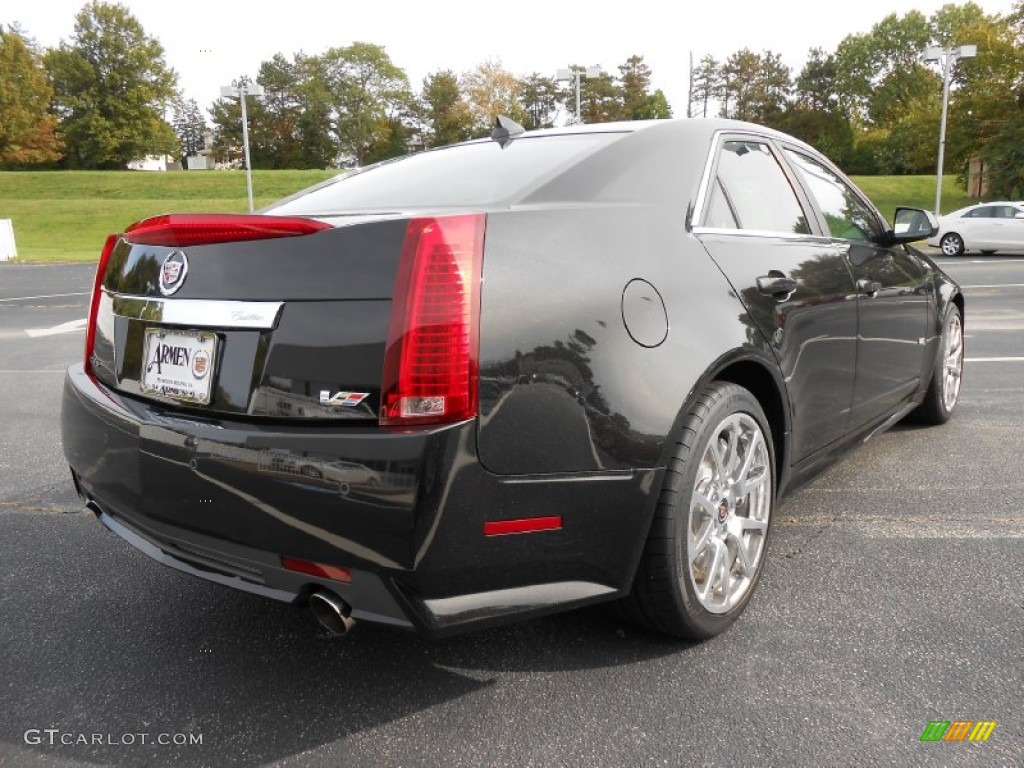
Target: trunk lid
{"x": 291, "y": 327}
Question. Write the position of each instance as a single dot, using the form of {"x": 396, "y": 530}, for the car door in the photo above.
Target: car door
{"x": 981, "y": 228}
{"x": 1015, "y": 230}
{"x": 1009, "y": 230}
{"x": 891, "y": 286}
{"x": 796, "y": 289}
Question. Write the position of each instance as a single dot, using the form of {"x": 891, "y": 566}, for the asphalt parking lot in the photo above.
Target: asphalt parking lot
{"x": 893, "y": 596}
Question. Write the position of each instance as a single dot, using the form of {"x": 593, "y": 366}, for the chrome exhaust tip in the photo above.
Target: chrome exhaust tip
{"x": 333, "y": 613}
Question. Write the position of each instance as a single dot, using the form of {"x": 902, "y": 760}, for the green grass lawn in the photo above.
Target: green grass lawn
{"x": 887, "y": 192}
{"x": 66, "y": 215}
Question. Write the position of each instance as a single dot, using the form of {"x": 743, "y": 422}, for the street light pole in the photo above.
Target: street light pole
{"x": 575, "y": 73}
{"x": 240, "y": 92}
{"x": 936, "y": 54}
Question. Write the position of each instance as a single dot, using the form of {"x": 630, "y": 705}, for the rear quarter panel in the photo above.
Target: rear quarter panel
{"x": 563, "y": 386}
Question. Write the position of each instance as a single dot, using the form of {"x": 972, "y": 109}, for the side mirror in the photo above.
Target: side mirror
{"x": 912, "y": 224}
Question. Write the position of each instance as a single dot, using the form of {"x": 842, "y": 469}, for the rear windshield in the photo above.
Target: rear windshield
{"x": 464, "y": 175}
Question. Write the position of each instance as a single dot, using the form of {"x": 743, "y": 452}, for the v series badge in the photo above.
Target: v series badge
{"x": 347, "y": 399}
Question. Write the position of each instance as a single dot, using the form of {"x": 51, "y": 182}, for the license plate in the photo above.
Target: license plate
{"x": 179, "y": 364}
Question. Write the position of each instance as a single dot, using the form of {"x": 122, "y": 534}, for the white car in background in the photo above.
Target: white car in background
{"x": 985, "y": 227}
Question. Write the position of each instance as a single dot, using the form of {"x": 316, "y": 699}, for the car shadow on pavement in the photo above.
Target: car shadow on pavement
{"x": 108, "y": 643}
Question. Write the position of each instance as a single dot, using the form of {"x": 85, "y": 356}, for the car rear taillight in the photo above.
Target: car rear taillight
{"x": 430, "y": 363}
{"x": 94, "y": 302}
{"x": 183, "y": 229}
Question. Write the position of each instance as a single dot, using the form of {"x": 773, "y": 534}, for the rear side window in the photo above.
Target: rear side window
{"x": 464, "y": 175}
{"x": 757, "y": 189}
{"x": 720, "y": 215}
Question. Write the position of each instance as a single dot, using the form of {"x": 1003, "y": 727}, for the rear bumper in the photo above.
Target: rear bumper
{"x": 403, "y": 510}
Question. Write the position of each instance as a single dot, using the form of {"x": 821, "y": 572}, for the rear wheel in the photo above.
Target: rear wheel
{"x": 706, "y": 548}
{"x": 952, "y": 244}
{"x": 944, "y": 387}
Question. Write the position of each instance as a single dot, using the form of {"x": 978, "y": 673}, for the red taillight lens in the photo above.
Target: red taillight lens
{"x": 94, "y": 303}
{"x": 430, "y": 365}
{"x": 183, "y": 229}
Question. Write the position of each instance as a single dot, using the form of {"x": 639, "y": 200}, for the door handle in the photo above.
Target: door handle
{"x": 868, "y": 287}
{"x": 775, "y": 283}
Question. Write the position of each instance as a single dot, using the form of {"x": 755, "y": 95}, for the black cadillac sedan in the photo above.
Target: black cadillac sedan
{"x": 507, "y": 377}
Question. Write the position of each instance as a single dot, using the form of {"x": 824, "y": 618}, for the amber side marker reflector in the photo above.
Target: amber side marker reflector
{"x": 522, "y": 525}
{"x": 322, "y": 570}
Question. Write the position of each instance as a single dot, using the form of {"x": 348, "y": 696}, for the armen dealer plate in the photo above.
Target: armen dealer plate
{"x": 179, "y": 364}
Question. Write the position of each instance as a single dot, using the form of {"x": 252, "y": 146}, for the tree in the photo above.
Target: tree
{"x": 226, "y": 114}
{"x": 392, "y": 140}
{"x": 638, "y": 103}
{"x": 444, "y": 113}
{"x": 491, "y": 90}
{"x": 816, "y": 84}
{"x": 600, "y": 99}
{"x": 986, "y": 91}
{"x": 366, "y": 91}
{"x": 278, "y": 113}
{"x": 291, "y": 126}
{"x": 111, "y": 86}
{"x": 706, "y": 82}
{"x": 657, "y": 107}
{"x": 815, "y": 115}
{"x": 880, "y": 74}
{"x": 539, "y": 99}
{"x": 190, "y": 128}
{"x": 318, "y": 145}
{"x": 828, "y": 132}
{"x": 635, "y": 80}
{"x": 27, "y": 128}
{"x": 1004, "y": 157}
{"x": 754, "y": 87}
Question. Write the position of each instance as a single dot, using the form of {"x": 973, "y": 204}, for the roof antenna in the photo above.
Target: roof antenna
{"x": 505, "y": 129}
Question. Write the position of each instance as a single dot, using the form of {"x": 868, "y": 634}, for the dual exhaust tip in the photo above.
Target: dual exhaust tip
{"x": 333, "y": 613}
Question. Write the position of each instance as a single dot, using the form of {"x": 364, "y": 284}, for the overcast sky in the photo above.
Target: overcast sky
{"x": 211, "y": 42}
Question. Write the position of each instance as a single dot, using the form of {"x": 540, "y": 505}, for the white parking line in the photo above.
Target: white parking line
{"x": 47, "y": 296}
{"x": 996, "y": 285}
{"x": 952, "y": 262}
{"x": 69, "y": 327}
{"x": 994, "y": 359}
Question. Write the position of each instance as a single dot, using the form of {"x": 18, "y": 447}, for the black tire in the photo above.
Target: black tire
{"x": 939, "y": 402}
{"x": 951, "y": 244}
{"x": 664, "y": 596}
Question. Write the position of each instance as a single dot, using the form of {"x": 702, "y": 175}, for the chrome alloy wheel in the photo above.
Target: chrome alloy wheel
{"x": 952, "y": 361}
{"x": 729, "y": 510}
